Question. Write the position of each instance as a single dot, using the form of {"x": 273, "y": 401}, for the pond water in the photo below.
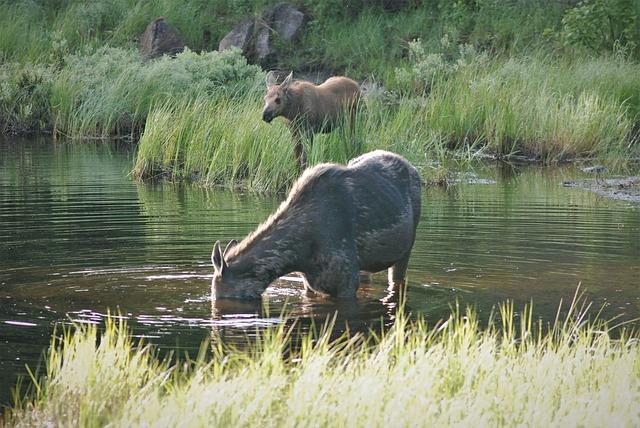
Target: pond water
{"x": 79, "y": 238}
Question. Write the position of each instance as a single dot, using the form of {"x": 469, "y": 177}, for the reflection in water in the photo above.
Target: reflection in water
{"x": 234, "y": 320}
{"x": 79, "y": 240}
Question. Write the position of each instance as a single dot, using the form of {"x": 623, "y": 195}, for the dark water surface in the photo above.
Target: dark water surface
{"x": 79, "y": 238}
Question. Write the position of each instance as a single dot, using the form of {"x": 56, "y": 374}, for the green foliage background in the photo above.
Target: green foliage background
{"x": 544, "y": 79}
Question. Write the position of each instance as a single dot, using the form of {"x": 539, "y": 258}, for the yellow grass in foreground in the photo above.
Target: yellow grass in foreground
{"x": 454, "y": 374}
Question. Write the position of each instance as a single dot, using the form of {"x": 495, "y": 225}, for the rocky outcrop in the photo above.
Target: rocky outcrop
{"x": 240, "y": 37}
{"x": 257, "y": 38}
{"x": 393, "y": 5}
{"x": 160, "y": 39}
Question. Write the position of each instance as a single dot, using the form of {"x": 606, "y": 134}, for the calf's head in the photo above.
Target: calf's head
{"x": 275, "y": 102}
{"x": 232, "y": 282}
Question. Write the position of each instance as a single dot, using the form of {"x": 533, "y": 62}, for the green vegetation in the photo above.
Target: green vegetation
{"x": 534, "y": 107}
{"x": 111, "y": 91}
{"x": 515, "y": 372}
{"x": 546, "y": 80}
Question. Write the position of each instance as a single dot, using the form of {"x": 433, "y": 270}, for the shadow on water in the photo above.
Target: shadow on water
{"x": 80, "y": 239}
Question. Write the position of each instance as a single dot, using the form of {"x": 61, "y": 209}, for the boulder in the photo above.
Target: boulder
{"x": 393, "y": 5}
{"x": 240, "y": 37}
{"x": 257, "y": 37}
{"x": 286, "y": 19}
{"x": 160, "y": 39}
{"x": 282, "y": 21}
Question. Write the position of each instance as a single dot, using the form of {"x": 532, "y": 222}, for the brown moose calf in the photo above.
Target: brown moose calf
{"x": 309, "y": 109}
{"x": 337, "y": 220}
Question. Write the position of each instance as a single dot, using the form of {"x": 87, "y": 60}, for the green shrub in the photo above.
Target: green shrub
{"x": 426, "y": 69}
{"x": 25, "y": 92}
{"x": 604, "y": 25}
{"x": 110, "y": 91}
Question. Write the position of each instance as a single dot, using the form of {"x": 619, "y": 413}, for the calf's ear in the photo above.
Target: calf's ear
{"x": 272, "y": 79}
{"x": 287, "y": 81}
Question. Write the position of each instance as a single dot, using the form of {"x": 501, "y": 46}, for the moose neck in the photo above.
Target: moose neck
{"x": 270, "y": 252}
{"x": 293, "y": 102}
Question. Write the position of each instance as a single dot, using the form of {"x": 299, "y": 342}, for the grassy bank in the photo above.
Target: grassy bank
{"x": 468, "y": 106}
{"x": 357, "y": 36}
{"x": 456, "y": 373}
{"x": 110, "y": 91}
{"x": 536, "y": 79}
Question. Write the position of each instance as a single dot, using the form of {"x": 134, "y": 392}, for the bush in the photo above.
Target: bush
{"x": 111, "y": 90}
{"x": 604, "y": 25}
{"x": 24, "y": 98}
{"x": 426, "y": 69}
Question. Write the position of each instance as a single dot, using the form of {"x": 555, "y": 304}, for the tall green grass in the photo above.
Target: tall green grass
{"x": 513, "y": 373}
{"x": 218, "y": 142}
{"x": 365, "y": 41}
{"x": 529, "y": 107}
{"x": 110, "y": 91}
{"x": 538, "y": 108}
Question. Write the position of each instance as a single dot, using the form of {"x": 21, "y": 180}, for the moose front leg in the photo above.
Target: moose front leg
{"x": 335, "y": 276}
{"x": 301, "y": 157}
{"x": 300, "y": 135}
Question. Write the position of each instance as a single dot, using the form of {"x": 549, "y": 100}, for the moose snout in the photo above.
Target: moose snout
{"x": 267, "y": 116}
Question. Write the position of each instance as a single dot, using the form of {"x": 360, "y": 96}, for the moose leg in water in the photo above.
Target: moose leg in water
{"x": 397, "y": 276}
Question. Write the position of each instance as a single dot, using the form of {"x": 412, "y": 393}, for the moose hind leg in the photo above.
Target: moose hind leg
{"x": 398, "y": 273}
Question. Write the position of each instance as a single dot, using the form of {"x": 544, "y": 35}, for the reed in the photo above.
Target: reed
{"x": 526, "y": 107}
{"x": 514, "y": 372}
{"x": 543, "y": 109}
{"x": 217, "y": 142}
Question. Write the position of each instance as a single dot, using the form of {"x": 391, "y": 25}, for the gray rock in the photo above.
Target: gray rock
{"x": 286, "y": 19}
{"x": 159, "y": 39}
{"x": 257, "y": 37}
{"x": 265, "y": 52}
{"x": 598, "y": 169}
{"x": 240, "y": 37}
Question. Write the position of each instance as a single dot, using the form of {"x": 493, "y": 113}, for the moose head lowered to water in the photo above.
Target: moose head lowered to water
{"x": 309, "y": 109}
{"x": 336, "y": 221}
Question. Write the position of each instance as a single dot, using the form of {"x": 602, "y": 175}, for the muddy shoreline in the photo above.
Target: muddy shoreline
{"x": 624, "y": 189}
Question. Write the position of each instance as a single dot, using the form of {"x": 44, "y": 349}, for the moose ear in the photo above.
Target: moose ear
{"x": 229, "y": 246}
{"x": 287, "y": 81}
{"x": 216, "y": 258}
{"x": 272, "y": 79}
